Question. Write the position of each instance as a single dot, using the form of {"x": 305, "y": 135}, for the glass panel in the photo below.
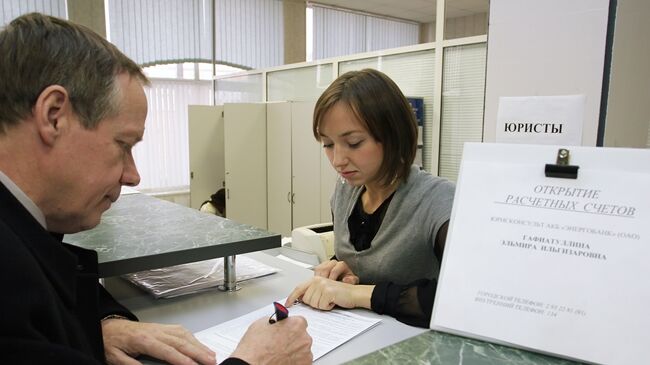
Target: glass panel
{"x": 299, "y": 84}
{"x": 466, "y": 18}
{"x": 240, "y": 89}
{"x": 413, "y": 73}
{"x": 463, "y": 92}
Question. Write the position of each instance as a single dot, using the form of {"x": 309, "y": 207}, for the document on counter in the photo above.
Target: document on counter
{"x": 553, "y": 265}
{"x": 328, "y": 329}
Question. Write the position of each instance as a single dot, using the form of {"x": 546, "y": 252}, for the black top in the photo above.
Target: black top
{"x": 411, "y": 303}
{"x": 363, "y": 226}
{"x": 52, "y": 303}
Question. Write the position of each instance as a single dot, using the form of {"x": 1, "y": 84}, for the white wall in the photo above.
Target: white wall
{"x": 551, "y": 47}
{"x": 628, "y": 107}
{"x": 178, "y": 197}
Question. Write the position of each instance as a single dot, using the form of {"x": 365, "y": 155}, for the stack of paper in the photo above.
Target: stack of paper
{"x": 195, "y": 277}
{"x": 328, "y": 329}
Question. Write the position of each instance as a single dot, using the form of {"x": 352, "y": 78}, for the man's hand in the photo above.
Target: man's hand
{"x": 336, "y": 270}
{"x": 284, "y": 342}
{"x": 324, "y": 294}
{"x": 124, "y": 340}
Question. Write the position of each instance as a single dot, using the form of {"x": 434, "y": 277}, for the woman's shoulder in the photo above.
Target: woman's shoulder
{"x": 420, "y": 181}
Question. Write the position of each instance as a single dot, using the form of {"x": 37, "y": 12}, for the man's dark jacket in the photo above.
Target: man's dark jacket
{"x": 52, "y": 303}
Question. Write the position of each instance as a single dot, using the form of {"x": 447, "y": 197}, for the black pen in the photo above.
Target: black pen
{"x": 281, "y": 312}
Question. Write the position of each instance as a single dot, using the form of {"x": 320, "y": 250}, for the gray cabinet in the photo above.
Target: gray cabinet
{"x": 245, "y": 163}
{"x": 300, "y": 180}
{"x": 205, "y": 133}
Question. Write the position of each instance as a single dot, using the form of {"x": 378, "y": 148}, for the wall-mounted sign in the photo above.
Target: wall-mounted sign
{"x": 555, "y": 120}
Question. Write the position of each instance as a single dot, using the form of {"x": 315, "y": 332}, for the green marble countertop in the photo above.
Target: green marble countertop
{"x": 140, "y": 232}
{"x": 434, "y": 347}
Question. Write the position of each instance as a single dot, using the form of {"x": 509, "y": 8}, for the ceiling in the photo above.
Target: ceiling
{"x": 421, "y": 11}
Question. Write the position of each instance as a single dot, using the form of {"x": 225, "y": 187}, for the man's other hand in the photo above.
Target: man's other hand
{"x": 124, "y": 340}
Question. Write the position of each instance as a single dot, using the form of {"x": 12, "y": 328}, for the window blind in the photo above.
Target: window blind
{"x": 249, "y": 33}
{"x": 11, "y": 9}
{"x": 339, "y": 32}
{"x": 163, "y": 156}
{"x": 463, "y": 93}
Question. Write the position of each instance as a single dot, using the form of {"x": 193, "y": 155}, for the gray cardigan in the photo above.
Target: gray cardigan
{"x": 402, "y": 250}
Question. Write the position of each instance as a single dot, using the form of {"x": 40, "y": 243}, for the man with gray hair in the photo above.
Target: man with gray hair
{"x": 72, "y": 107}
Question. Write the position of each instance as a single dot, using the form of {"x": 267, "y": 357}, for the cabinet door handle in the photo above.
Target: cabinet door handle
{"x": 293, "y": 195}
{"x": 227, "y": 193}
{"x": 289, "y": 197}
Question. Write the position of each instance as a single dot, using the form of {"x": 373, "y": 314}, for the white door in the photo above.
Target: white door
{"x": 245, "y": 161}
{"x": 305, "y": 158}
{"x": 205, "y": 133}
{"x": 278, "y": 158}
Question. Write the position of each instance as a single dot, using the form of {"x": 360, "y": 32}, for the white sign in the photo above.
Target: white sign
{"x": 550, "y": 264}
{"x": 555, "y": 120}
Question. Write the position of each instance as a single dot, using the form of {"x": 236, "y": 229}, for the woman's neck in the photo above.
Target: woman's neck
{"x": 375, "y": 194}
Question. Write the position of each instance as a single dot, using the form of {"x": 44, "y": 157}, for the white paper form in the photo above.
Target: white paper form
{"x": 549, "y": 264}
{"x": 328, "y": 329}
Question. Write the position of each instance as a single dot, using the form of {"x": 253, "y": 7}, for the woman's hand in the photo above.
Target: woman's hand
{"x": 336, "y": 270}
{"x": 324, "y": 294}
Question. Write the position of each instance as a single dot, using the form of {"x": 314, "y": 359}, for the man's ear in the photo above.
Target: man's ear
{"x": 51, "y": 113}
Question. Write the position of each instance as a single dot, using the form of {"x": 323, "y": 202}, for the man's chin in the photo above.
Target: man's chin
{"x": 89, "y": 221}
{"x": 71, "y": 229}
{"x": 87, "y": 226}
{"x": 74, "y": 223}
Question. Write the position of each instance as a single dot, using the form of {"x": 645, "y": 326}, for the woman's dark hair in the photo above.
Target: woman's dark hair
{"x": 218, "y": 199}
{"x": 380, "y": 105}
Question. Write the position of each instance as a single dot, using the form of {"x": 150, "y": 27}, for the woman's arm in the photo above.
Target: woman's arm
{"x": 411, "y": 303}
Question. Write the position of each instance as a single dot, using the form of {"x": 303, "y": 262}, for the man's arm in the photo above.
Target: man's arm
{"x": 125, "y": 338}
{"x": 108, "y": 306}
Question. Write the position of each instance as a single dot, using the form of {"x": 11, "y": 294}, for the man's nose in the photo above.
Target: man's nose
{"x": 130, "y": 175}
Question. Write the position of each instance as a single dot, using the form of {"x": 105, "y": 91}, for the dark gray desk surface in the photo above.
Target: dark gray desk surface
{"x": 140, "y": 232}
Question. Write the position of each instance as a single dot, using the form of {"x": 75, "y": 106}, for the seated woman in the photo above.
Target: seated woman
{"x": 390, "y": 218}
